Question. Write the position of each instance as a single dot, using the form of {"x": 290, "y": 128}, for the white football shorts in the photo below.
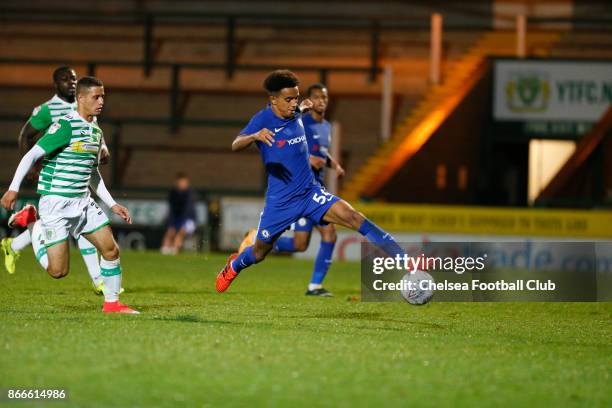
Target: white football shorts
{"x": 64, "y": 216}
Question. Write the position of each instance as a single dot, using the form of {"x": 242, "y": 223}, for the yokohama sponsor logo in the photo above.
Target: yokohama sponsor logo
{"x": 299, "y": 139}
{"x": 295, "y": 140}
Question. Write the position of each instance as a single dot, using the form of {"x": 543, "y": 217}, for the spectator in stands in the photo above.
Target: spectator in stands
{"x": 181, "y": 216}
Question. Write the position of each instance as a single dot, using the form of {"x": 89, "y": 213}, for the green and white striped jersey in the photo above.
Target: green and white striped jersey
{"x": 50, "y": 112}
{"x": 71, "y": 146}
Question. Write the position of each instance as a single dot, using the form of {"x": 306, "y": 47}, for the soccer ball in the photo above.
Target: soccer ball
{"x": 418, "y": 296}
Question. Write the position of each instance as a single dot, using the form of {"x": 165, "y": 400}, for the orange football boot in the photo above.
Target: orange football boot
{"x": 23, "y": 217}
{"x": 118, "y": 307}
{"x": 227, "y": 274}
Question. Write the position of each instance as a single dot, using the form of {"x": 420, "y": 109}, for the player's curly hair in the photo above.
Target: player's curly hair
{"x": 280, "y": 79}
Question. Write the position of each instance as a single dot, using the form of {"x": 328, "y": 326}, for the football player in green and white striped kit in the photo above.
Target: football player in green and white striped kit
{"x": 71, "y": 148}
{"x": 43, "y": 116}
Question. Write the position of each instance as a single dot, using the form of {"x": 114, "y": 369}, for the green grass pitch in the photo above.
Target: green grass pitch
{"x": 263, "y": 343}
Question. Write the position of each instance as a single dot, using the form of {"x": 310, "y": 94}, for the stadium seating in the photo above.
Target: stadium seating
{"x": 207, "y": 94}
{"x": 208, "y": 97}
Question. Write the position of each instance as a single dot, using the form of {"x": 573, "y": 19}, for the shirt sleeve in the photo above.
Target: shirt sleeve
{"x": 26, "y": 163}
{"x": 324, "y": 148}
{"x": 315, "y": 148}
{"x": 253, "y": 126}
{"x": 41, "y": 117}
{"x": 327, "y": 142}
{"x": 97, "y": 184}
{"x": 57, "y": 136}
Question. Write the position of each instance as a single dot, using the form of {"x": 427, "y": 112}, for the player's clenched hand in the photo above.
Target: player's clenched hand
{"x": 306, "y": 105}
{"x": 265, "y": 135}
{"x": 122, "y": 212}
{"x": 317, "y": 162}
{"x": 8, "y": 200}
{"x": 104, "y": 154}
{"x": 339, "y": 171}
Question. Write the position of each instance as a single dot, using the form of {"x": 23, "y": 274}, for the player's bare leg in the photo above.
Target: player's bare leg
{"x": 59, "y": 259}
{"x": 261, "y": 249}
{"x": 179, "y": 238}
{"x": 301, "y": 240}
{"x": 297, "y": 243}
{"x": 105, "y": 243}
{"x": 342, "y": 213}
{"x": 26, "y": 218}
{"x": 166, "y": 248}
{"x": 110, "y": 267}
{"x": 328, "y": 232}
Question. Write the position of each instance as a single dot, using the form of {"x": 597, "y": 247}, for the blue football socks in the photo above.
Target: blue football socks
{"x": 244, "y": 260}
{"x": 380, "y": 238}
{"x": 323, "y": 262}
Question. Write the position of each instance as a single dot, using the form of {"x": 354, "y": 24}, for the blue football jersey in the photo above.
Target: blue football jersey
{"x": 318, "y": 136}
{"x": 286, "y": 161}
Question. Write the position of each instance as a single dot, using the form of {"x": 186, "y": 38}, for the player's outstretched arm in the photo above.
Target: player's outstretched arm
{"x": 243, "y": 141}
{"x": 97, "y": 185}
{"x": 317, "y": 162}
{"x": 27, "y": 161}
{"x": 332, "y": 163}
{"x": 28, "y": 137}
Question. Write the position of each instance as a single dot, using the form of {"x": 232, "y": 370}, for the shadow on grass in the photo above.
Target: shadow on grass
{"x": 544, "y": 342}
{"x": 79, "y": 308}
{"x": 373, "y": 316}
{"x": 189, "y": 319}
{"x": 166, "y": 290}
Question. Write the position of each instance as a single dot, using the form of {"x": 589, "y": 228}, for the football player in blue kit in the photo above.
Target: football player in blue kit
{"x": 318, "y": 137}
{"x": 293, "y": 192}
